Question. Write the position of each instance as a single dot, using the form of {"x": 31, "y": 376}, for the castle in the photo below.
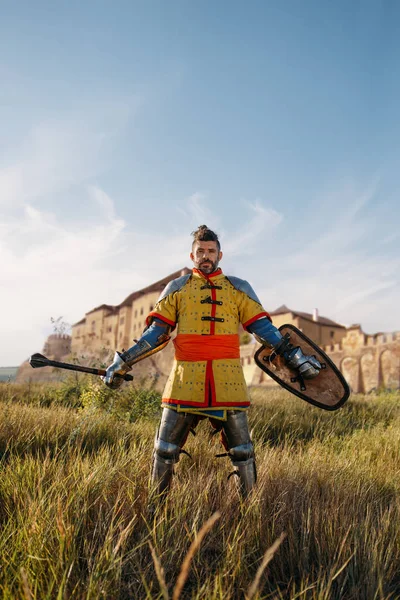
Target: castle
{"x": 368, "y": 362}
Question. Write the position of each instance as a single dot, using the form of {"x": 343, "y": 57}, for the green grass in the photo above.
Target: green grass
{"x": 76, "y": 520}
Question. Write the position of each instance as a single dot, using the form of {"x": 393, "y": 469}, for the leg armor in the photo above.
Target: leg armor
{"x": 241, "y": 451}
{"x": 170, "y": 438}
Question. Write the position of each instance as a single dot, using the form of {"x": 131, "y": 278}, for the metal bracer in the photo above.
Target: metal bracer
{"x": 154, "y": 339}
{"x": 268, "y": 335}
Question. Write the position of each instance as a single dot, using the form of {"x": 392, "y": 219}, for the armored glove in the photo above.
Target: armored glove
{"x": 308, "y": 366}
{"x": 267, "y": 334}
{"x": 154, "y": 338}
{"x": 118, "y": 366}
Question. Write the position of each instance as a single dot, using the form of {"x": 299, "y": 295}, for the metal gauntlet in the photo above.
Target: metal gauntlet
{"x": 308, "y": 366}
{"x": 269, "y": 335}
{"x": 118, "y": 366}
{"x": 154, "y": 339}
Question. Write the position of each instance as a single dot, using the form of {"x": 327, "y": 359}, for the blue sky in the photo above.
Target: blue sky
{"x": 125, "y": 125}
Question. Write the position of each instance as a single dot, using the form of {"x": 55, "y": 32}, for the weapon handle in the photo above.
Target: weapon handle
{"x": 38, "y": 360}
{"x": 102, "y": 372}
{"x": 127, "y": 377}
{"x": 90, "y": 370}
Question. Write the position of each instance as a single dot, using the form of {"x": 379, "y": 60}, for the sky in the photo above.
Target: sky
{"x": 124, "y": 125}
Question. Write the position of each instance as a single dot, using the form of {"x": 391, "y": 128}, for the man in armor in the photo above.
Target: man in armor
{"x": 206, "y": 380}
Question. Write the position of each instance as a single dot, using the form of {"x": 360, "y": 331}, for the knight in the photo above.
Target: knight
{"x": 206, "y": 381}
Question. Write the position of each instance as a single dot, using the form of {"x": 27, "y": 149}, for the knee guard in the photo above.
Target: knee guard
{"x": 164, "y": 457}
{"x": 167, "y": 452}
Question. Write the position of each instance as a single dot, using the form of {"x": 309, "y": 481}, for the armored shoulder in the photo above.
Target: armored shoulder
{"x": 243, "y": 286}
{"x": 174, "y": 286}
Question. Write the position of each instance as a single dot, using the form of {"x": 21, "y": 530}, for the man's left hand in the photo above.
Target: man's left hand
{"x": 308, "y": 366}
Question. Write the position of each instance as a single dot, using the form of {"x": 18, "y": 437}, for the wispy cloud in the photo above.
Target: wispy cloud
{"x": 390, "y": 238}
{"x": 11, "y": 185}
{"x": 49, "y": 263}
{"x": 52, "y": 266}
{"x": 66, "y": 267}
{"x": 195, "y": 208}
{"x": 48, "y": 266}
{"x": 54, "y": 156}
{"x": 338, "y": 270}
{"x": 261, "y": 221}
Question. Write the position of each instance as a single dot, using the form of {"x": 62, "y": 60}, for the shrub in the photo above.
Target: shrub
{"x": 129, "y": 403}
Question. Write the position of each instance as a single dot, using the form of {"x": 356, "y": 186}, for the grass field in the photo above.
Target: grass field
{"x": 77, "y": 521}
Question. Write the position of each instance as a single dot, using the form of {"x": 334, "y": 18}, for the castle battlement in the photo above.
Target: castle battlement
{"x": 368, "y": 362}
{"x": 362, "y": 341}
{"x": 58, "y": 336}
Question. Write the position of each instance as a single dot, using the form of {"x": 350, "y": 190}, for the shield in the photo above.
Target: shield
{"x": 329, "y": 390}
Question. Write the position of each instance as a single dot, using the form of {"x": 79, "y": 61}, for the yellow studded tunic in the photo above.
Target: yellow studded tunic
{"x": 206, "y": 375}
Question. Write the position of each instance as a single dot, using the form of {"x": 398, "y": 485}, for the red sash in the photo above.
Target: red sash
{"x": 191, "y": 347}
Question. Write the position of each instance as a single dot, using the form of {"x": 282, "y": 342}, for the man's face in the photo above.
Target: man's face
{"x": 205, "y": 256}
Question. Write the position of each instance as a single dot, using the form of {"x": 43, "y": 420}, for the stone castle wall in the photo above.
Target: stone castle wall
{"x": 111, "y": 327}
{"x": 368, "y": 362}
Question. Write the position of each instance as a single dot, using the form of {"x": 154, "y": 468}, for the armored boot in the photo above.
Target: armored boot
{"x": 170, "y": 438}
{"x": 241, "y": 451}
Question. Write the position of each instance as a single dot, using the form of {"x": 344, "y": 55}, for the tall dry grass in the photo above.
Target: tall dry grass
{"x": 76, "y": 519}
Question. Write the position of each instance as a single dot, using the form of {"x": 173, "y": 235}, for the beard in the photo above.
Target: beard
{"x": 208, "y": 266}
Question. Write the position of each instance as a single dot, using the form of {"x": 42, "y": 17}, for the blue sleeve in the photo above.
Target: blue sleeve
{"x": 153, "y": 332}
{"x": 152, "y": 337}
{"x": 264, "y": 329}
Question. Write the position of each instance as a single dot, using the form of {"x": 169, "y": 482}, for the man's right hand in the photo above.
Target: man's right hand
{"x": 118, "y": 366}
